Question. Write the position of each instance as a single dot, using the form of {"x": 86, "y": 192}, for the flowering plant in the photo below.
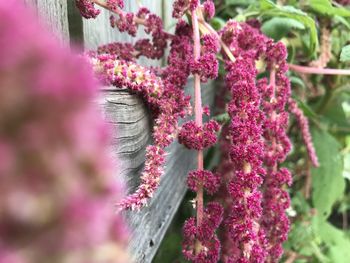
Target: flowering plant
{"x": 246, "y": 220}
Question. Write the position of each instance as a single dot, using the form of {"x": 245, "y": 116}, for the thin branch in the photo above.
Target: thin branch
{"x": 319, "y": 71}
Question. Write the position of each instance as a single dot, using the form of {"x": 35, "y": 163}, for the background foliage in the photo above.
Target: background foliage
{"x": 320, "y": 196}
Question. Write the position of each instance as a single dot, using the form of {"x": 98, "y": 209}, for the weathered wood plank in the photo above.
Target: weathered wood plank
{"x": 132, "y": 128}
{"x": 55, "y": 14}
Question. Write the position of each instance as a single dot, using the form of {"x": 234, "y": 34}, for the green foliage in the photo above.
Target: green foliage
{"x": 345, "y": 54}
{"x": 278, "y": 27}
{"x": 217, "y": 23}
{"x": 269, "y": 9}
{"x": 336, "y": 243}
{"x": 328, "y": 182}
{"x": 325, "y": 8}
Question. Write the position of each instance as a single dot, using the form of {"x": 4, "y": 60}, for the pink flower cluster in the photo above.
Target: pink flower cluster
{"x": 153, "y": 24}
{"x": 207, "y": 65}
{"x": 129, "y": 22}
{"x": 122, "y": 51}
{"x": 198, "y": 138}
{"x": 247, "y": 146}
{"x": 277, "y": 146}
{"x": 57, "y": 192}
{"x": 200, "y": 243}
{"x": 254, "y": 144}
{"x": 125, "y": 23}
{"x": 87, "y": 8}
{"x": 115, "y": 4}
{"x": 164, "y": 96}
{"x": 180, "y": 7}
{"x": 209, "y": 180}
{"x": 112, "y": 71}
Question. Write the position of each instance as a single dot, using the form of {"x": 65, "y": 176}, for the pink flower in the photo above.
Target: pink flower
{"x": 209, "y": 180}
{"x": 305, "y": 131}
{"x": 87, "y": 8}
{"x": 198, "y": 138}
{"x": 209, "y": 9}
{"x": 46, "y": 119}
{"x": 200, "y": 243}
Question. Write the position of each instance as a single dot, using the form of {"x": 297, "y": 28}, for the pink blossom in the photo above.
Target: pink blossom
{"x": 209, "y": 180}
{"x": 115, "y": 4}
{"x": 209, "y": 9}
{"x": 305, "y": 131}
{"x": 179, "y": 8}
{"x": 206, "y": 66}
{"x": 276, "y": 198}
{"x": 198, "y": 138}
{"x": 87, "y": 8}
{"x": 210, "y": 43}
{"x": 200, "y": 243}
{"x": 46, "y": 119}
{"x": 246, "y": 145}
{"x": 123, "y": 51}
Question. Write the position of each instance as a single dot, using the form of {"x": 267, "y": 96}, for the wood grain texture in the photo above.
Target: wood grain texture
{"x": 132, "y": 128}
{"x": 55, "y": 15}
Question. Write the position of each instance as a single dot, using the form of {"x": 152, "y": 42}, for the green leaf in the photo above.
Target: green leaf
{"x": 328, "y": 183}
{"x": 342, "y": 20}
{"x": 217, "y": 23}
{"x": 270, "y": 9}
{"x": 306, "y": 109}
{"x": 324, "y": 7}
{"x": 334, "y": 114}
{"x": 346, "y": 171}
{"x": 345, "y": 54}
{"x": 278, "y": 27}
{"x": 337, "y": 243}
{"x": 239, "y": 2}
{"x": 297, "y": 81}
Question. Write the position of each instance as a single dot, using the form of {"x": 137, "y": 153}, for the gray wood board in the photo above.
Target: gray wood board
{"x": 132, "y": 133}
{"x": 55, "y": 15}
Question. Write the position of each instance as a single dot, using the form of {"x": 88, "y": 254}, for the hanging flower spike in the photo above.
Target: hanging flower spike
{"x": 165, "y": 98}
{"x": 276, "y": 198}
{"x": 246, "y": 143}
{"x": 305, "y": 131}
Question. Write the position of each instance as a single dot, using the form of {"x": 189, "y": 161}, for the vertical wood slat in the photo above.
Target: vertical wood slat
{"x": 55, "y": 14}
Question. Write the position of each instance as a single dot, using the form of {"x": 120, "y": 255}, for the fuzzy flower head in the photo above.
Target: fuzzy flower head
{"x": 87, "y": 8}
{"x": 209, "y": 9}
{"x": 195, "y": 137}
{"x": 46, "y": 119}
{"x": 200, "y": 243}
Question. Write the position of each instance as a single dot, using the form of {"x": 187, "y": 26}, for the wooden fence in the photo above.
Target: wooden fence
{"x": 130, "y": 120}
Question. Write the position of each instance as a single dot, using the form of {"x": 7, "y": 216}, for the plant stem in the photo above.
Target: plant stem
{"x": 319, "y": 71}
{"x": 223, "y": 45}
{"x": 198, "y": 112}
